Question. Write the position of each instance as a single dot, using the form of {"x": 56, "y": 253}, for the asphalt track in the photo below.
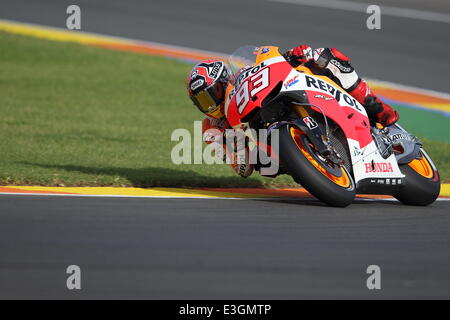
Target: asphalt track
{"x": 230, "y": 249}
{"x": 227, "y": 249}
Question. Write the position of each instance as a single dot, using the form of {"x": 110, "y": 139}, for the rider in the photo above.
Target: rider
{"x": 208, "y": 80}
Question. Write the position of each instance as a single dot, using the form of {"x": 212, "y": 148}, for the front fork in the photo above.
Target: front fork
{"x": 317, "y": 136}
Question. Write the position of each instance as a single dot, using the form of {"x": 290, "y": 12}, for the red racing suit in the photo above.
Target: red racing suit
{"x": 325, "y": 61}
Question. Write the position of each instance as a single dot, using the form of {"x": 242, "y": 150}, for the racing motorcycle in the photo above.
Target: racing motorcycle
{"x": 326, "y": 141}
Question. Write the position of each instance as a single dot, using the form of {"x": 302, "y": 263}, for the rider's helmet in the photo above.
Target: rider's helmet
{"x": 206, "y": 85}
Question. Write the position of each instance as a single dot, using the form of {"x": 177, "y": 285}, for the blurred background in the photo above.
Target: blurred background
{"x": 413, "y": 51}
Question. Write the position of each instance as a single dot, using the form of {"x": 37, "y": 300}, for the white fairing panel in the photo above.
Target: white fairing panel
{"x": 301, "y": 81}
{"x": 367, "y": 162}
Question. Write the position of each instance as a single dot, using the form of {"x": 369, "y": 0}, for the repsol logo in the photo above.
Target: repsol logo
{"x": 244, "y": 75}
{"x": 250, "y": 71}
{"x": 378, "y": 167}
{"x": 336, "y": 93}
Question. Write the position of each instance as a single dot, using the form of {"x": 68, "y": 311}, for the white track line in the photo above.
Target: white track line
{"x": 151, "y": 197}
{"x": 362, "y": 7}
{"x": 176, "y": 197}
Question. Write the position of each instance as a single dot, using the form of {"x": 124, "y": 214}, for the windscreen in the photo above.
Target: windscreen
{"x": 241, "y": 59}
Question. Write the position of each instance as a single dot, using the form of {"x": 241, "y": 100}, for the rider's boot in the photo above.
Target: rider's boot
{"x": 377, "y": 110}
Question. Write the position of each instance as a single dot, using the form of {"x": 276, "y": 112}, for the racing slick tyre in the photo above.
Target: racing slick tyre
{"x": 329, "y": 183}
{"x": 422, "y": 183}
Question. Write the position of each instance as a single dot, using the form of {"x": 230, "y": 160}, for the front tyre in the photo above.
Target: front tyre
{"x": 422, "y": 183}
{"x": 328, "y": 182}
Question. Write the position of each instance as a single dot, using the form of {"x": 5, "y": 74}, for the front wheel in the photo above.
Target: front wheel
{"x": 422, "y": 183}
{"x": 328, "y": 182}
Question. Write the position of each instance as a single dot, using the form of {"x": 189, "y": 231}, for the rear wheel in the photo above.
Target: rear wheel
{"x": 422, "y": 183}
{"x": 327, "y": 181}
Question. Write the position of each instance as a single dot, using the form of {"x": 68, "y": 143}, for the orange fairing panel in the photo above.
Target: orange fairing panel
{"x": 267, "y": 52}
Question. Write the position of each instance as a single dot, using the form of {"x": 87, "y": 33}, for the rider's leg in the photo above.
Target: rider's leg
{"x": 377, "y": 110}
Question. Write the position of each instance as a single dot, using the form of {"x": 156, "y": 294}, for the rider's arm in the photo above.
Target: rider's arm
{"x": 326, "y": 61}
{"x": 334, "y": 64}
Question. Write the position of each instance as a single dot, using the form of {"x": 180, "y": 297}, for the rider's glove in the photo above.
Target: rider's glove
{"x": 214, "y": 133}
{"x": 300, "y": 54}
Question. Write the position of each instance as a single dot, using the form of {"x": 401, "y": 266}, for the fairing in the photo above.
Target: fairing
{"x": 257, "y": 71}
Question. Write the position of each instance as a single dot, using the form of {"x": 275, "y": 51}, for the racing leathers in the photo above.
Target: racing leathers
{"x": 236, "y": 153}
{"x": 324, "y": 61}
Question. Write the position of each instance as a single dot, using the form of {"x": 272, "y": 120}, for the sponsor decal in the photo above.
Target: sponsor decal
{"x": 194, "y": 73}
{"x": 397, "y": 136}
{"x": 378, "y": 167}
{"x": 250, "y": 71}
{"x": 336, "y": 93}
{"x": 213, "y": 73}
{"x": 213, "y": 69}
{"x": 340, "y": 66}
{"x": 321, "y": 96}
{"x": 310, "y": 122}
{"x": 197, "y": 84}
{"x": 357, "y": 151}
{"x": 387, "y": 182}
{"x": 290, "y": 82}
{"x": 244, "y": 75}
{"x": 265, "y": 50}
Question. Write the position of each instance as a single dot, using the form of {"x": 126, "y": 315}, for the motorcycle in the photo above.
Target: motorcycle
{"x": 326, "y": 141}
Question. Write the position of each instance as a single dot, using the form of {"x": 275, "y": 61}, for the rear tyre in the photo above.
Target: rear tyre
{"x": 329, "y": 183}
{"x": 422, "y": 183}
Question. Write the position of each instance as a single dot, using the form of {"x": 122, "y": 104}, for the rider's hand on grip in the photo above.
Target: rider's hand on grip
{"x": 300, "y": 54}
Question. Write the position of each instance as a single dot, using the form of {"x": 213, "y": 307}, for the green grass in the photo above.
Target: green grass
{"x": 440, "y": 153}
{"x": 432, "y": 125}
{"x": 78, "y": 115}
{"x": 74, "y": 115}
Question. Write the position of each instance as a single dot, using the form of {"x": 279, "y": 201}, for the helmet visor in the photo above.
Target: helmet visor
{"x": 209, "y": 99}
